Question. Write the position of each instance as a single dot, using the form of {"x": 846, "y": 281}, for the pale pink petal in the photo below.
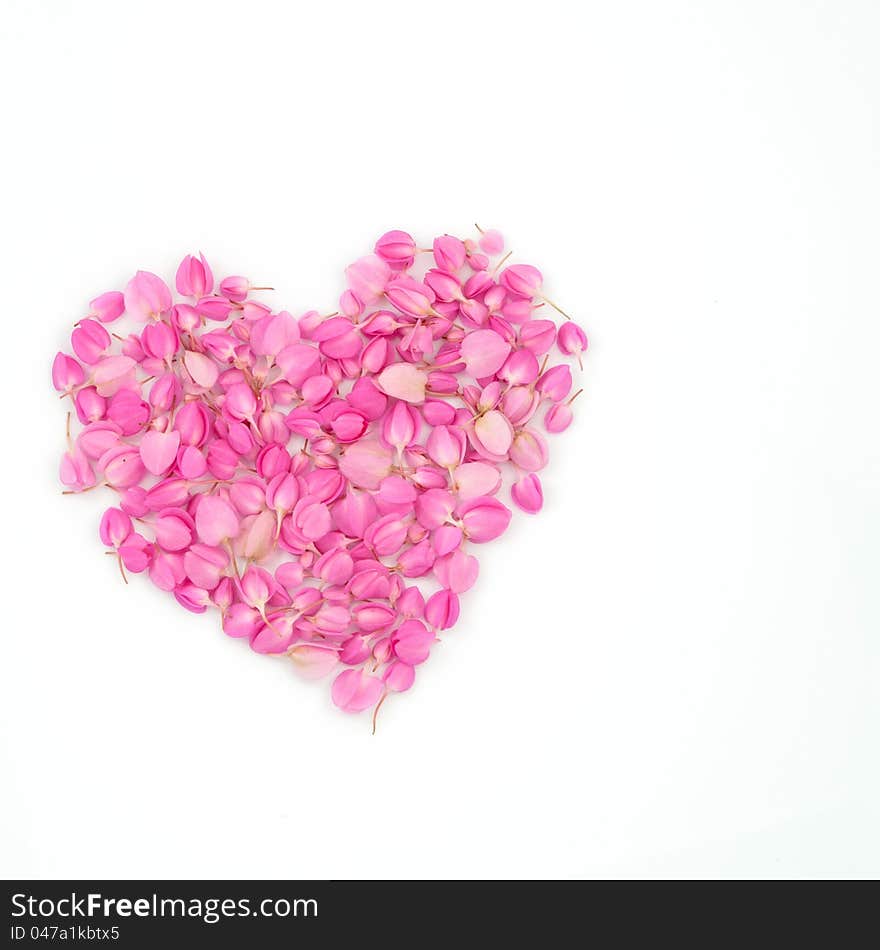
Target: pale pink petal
{"x": 366, "y": 463}
{"x": 477, "y": 478}
{"x": 403, "y": 381}
{"x": 313, "y": 662}
{"x": 112, "y": 373}
{"x": 354, "y": 690}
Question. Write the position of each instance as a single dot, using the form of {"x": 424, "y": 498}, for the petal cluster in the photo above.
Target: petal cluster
{"x": 321, "y": 481}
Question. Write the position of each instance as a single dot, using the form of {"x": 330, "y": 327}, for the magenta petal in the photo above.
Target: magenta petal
{"x": 399, "y": 676}
{"x": 527, "y": 493}
{"x": 484, "y": 519}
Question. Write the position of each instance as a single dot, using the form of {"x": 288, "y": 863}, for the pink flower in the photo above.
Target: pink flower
{"x": 147, "y": 296}
{"x": 404, "y": 381}
{"x": 412, "y": 642}
{"x": 194, "y": 277}
{"x": 90, "y": 341}
{"x": 484, "y": 519}
{"x": 396, "y": 248}
{"x": 442, "y": 609}
{"x": 313, "y": 662}
{"x": 67, "y": 374}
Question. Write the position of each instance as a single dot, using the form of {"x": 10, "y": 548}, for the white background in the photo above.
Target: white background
{"x": 673, "y": 669}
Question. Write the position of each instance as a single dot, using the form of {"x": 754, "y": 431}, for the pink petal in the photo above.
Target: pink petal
{"x": 527, "y": 493}
{"x": 354, "y": 690}
{"x": 314, "y": 521}
{"x": 403, "y": 381}
{"x": 202, "y": 368}
{"x": 159, "y": 450}
{"x": 457, "y": 572}
{"x": 484, "y": 352}
{"x": 298, "y": 362}
{"x": 216, "y": 520}
{"x": 495, "y": 432}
